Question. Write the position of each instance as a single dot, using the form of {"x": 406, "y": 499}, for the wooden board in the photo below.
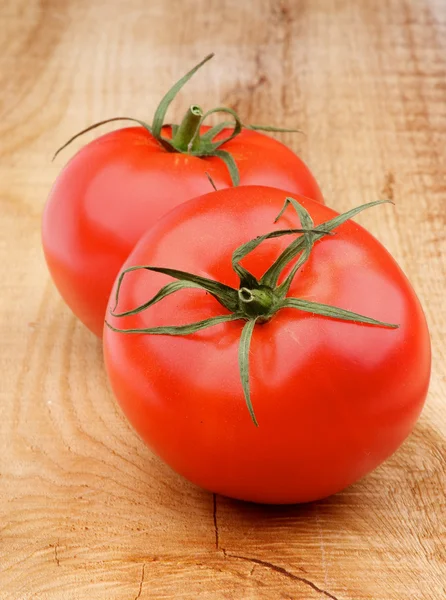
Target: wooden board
{"x": 86, "y": 511}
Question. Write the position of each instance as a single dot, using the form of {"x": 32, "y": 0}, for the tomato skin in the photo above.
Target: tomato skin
{"x": 119, "y": 185}
{"x": 333, "y": 399}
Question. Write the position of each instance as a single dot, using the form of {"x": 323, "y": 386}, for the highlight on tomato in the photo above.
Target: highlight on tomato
{"x": 118, "y": 185}
{"x": 266, "y": 347}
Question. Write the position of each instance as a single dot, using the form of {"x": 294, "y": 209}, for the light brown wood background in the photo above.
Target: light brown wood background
{"x": 86, "y": 511}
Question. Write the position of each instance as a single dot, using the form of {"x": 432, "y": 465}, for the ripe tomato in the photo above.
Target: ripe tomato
{"x": 117, "y": 186}
{"x": 332, "y": 398}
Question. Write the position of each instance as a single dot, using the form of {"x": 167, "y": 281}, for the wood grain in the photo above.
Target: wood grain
{"x": 86, "y": 511}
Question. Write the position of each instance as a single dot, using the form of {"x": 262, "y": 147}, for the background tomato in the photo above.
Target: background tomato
{"x": 333, "y": 399}
{"x": 117, "y": 186}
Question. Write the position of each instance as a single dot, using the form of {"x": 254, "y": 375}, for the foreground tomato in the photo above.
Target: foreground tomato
{"x": 332, "y": 398}
{"x": 117, "y": 186}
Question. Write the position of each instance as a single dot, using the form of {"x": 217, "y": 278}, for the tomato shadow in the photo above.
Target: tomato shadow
{"x": 396, "y": 482}
{"x": 251, "y": 514}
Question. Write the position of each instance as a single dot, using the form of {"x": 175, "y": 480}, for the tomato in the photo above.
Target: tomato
{"x": 117, "y": 186}
{"x": 332, "y": 398}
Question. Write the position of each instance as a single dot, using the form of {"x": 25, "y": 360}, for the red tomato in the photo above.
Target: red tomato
{"x": 117, "y": 186}
{"x": 333, "y": 399}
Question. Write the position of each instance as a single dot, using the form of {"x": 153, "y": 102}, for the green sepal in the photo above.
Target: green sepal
{"x": 226, "y": 295}
{"x": 230, "y": 163}
{"x": 334, "y": 312}
{"x": 272, "y": 275}
{"x": 283, "y": 288}
{"x": 211, "y": 133}
{"x": 99, "y": 124}
{"x": 342, "y": 218}
{"x": 179, "y": 329}
{"x": 243, "y": 362}
{"x": 238, "y": 125}
{"x": 246, "y": 278}
{"x": 160, "y": 113}
{"x": 272, "y": 129}
{"x": 303, "y": 214}
{"x": 167, "y": 290}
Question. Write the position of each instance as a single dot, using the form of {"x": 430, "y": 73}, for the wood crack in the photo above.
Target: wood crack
{"x": 282, "y": 571}
{"x": 141, "y": 582}
{"x": 56, "y": 557}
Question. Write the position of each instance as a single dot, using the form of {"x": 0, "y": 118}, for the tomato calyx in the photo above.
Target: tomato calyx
{"x": 256, "y": 301}
{"x": 186, "y": 137}
{"x": 259, "y": 303}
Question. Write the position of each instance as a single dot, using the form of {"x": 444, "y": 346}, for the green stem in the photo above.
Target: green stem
{"x": 256, "y": 302}
{"x": 187, "y": 137}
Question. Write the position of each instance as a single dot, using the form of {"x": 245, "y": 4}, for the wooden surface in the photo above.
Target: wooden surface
{"x": 86, "y": 511}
